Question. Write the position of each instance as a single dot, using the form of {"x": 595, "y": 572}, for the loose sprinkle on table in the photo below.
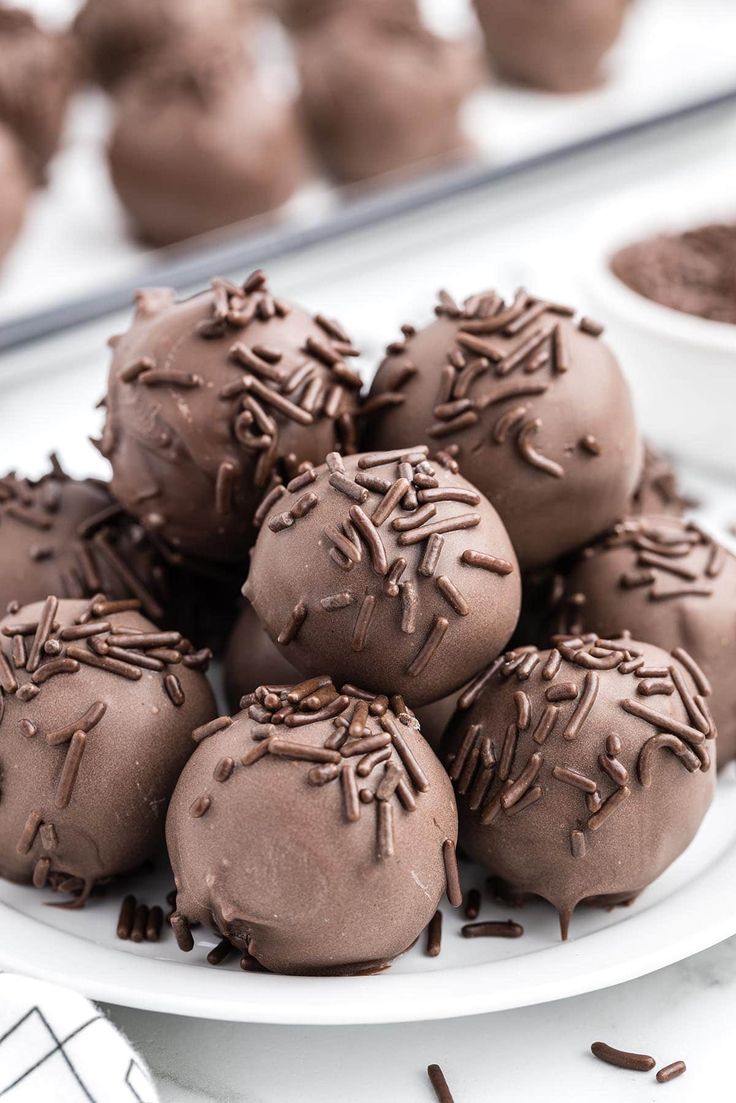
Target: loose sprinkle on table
{"x": 438, "y": 1082}
{"x": 670, "y": 1072}
{"x": 622, "y": 1059}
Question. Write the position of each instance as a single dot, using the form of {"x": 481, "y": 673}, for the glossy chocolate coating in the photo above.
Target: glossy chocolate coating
{"x": 397, "y": 601}
{"x": 575, "y": 780}
{"x": 90, "y": 756}
{"x": 381, "y": 94}
{"x": 304, "y": 858}
{"x": 199, "y": 424}
{"x": 120, "y": 37}
{"x": 252, "y": 659}
{"x": 70, "y": 537}
{"x": 36, "y": 78}
{"x": 557, "y": 45}
{"x": 665, "y": 577}
{"x": 532, "y": 403}
{"x": 15, "y": 189}
{"x": 199, "y": 144}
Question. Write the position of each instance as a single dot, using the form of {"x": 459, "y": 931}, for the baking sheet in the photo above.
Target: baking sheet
{"x": 673, "y": 55}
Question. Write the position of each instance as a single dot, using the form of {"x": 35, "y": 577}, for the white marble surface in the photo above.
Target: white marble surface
{"x": 538, "y": 1053}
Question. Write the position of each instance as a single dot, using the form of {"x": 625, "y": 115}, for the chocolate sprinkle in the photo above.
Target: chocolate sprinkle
{"x": 493, "y": 929}
{"x": 621, "y": 1058}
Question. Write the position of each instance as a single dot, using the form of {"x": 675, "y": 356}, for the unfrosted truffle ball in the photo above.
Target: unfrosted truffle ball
{"x": 199, "y": 144}
{"x": 120, "y": 37}
{"x": 533, "y": 405}
{"x": 99, "y": 708}
{"x": 36, "y": 78}
{"x": 70, "y": 537}
{"x": 252, "y": 659}
{"x": 211, "y": 399}
{"x": 557, "y": 45}
{"x": 315, "y": 831}
{"x": 668, "y": 579}
{"x": 380, "y": 93}
{"x": 581, "y": 773}
{"x": 15, "y": 189}
{"x": 386, "y": 569}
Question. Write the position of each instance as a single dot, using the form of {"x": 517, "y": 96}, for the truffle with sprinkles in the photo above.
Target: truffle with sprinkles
{"x": 531, "y": 402}
{"x": 97, "y": 708}
{"x": 389, "y": 570}
{"x": 213, "y": 399}
{"x": 70, "y": 537}
{"x": 582, "y": 772}
{"x": 252, "y": 659}
{"x": 315, "y": 831}
{"x": 667, "y": 579}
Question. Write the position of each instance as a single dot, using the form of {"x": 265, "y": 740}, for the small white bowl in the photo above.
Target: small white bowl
{"x": 682, "y": 368}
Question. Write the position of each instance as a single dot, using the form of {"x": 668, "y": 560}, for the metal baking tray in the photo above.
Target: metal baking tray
{"x": 675, "y": 65}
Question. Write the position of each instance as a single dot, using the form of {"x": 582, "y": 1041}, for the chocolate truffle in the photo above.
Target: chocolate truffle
{"x": 387, "y": 569}
{"x": 15, "y": 189}
{"x": 434, "y": 718}
{"x": 120, "y": 37}
{"x": 541, "y": 590}
{"x": 668, "y": 579}
{"x": 213, "y": 398}
{"x": 300, "y": 15}
{"x": 36, "y": 78}
{"x": 252, "y": 659}
{"x": 198, "y": 145}
{"x": 532, "y": 403}
{"x": 557, "y": 45}
{"x": 381, "y": 93}
{"x": 658, "y": 490}
{"x": 70, "y": 537}
{"x": 582, "y": 772}
{"x": 96, "y": 724}
{"x": 315, "y": 831}
{"x": 693, "y": 272}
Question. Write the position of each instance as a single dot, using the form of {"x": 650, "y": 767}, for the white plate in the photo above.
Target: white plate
{"x": 46, "y": 397}
{"x": 691, "y": 907}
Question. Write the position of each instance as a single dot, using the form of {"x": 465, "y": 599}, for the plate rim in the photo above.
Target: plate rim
{"x": 129, "y": 981}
